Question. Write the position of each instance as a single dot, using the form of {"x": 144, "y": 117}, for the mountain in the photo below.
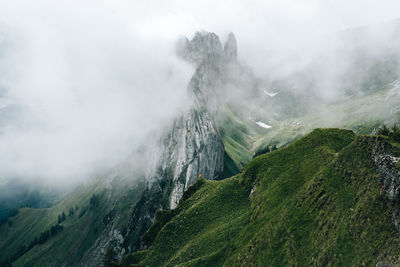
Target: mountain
{"x": 193, "y": 146}
{"x": 194, "y": 195}
{"x": 329, "y": 199}
{"x": 117, "y": 208}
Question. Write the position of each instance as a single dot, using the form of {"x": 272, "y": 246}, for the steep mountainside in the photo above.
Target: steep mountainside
{"x": 191, "y": 146}
{"x": 329, "y": 199}
{"x": 95, "y": 212}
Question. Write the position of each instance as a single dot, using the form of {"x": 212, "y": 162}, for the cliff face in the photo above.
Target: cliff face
{"x": 192, "y": 146}
{"x": 389, "y": 177}
{"x": 196, "y": 148}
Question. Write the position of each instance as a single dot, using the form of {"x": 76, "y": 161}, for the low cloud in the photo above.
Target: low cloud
{"x": 84, "y": 83}
{"x": 81, "y": 90}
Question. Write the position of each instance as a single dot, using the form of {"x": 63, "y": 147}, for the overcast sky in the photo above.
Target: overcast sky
{"x": 83, "y": 83}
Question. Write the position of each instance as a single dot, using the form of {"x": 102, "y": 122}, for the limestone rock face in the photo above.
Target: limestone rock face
{"x": 192, "y": 145}
{"x": 389, "y": 178}
{"x": 203, "y": 47}
{"x": 196, "y": 149}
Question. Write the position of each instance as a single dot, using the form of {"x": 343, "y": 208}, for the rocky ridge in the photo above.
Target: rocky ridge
{"x": 192, "y": 146}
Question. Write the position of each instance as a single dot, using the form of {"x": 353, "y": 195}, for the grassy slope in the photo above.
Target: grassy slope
{"x": 79, "y": 232}
{"x": 316, "y": 202}
{"x": 205, "y": 226}
{"x": 30, "y": 222}
{"x": 238, "y": 136}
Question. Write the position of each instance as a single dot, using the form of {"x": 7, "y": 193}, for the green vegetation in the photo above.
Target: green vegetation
{"x": 67, "y": 233}
{"x": 238, "y": 136}
{"x": 11, "y": 213}
{"x": 110, "y": 258}
{"x": 94, "y": 201}
{"x": 41, "y": 239}
{"x": 392, "y": 132}
{"x": 316, "y": 202}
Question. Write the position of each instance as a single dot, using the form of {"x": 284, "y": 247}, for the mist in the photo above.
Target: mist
{"x": 84, "y": 84}
{"x": 81, "y": 90}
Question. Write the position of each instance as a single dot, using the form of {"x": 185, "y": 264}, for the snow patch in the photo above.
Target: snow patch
{"x": 264, "y": 125}
{"x": 270, "y": 94}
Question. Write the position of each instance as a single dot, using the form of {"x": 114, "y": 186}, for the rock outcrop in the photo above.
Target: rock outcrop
{"x": 389, "y": 177}
{"x": 192, "y": 146}
{"x": 389, "y": 180}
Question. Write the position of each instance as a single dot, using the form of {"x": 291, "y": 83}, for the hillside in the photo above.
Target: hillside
{"x": 96, "y": 211}
{"x": 322, "y": 201}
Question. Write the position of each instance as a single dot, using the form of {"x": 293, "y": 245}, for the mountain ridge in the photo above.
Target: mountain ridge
{"x": 191, "y": 146}
{"x": 325, "y": 208}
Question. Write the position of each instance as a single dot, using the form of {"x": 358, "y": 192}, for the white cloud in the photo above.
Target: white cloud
{"x": 90, "y": 79}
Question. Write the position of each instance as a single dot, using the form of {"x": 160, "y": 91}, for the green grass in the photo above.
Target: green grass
{"x": 316, "y": 202}
{"x": 208, "y": 220}
{"x": 79, "y": 233}
{"x": 30, "y": 222}
{"x": 238, "y": 136}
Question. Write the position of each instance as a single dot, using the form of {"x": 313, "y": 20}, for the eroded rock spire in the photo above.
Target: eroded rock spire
{"x": 230, "y": 48}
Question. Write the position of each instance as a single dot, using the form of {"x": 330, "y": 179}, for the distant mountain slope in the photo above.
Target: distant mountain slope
{"x": 93, "y": 212}
{"x": 362, "y": 114}
{"x": 15, "y": 194}
{"x": 323, "y": 200}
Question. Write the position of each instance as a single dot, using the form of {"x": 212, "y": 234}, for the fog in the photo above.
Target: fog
{"x": 81, "y": 89}
{"x": 84, "y": 83}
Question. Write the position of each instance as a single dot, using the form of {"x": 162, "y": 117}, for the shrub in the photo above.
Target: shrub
{"x": 383, "y": 130}
{"x": 110, "y": 258}
{"x": 392, "y": 132}
{"x": 83, "y": 211}
{"x": 94, "y": 201}
{"x": 395, "y": 133}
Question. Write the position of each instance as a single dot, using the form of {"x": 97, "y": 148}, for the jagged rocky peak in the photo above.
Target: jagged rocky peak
{"x": 207, "y": 46}
{"x": 230, "y": 47}
{"x": 192, "y": 145}
{"x": 204, "y": 45}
